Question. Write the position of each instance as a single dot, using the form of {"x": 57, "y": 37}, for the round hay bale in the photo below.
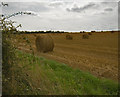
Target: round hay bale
{"x": 44, "y": 43}
{"x": 69, "y": 37}
{"x": 85, "y": 36}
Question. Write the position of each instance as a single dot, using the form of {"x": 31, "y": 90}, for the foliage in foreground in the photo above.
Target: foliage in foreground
{"x": 47, "y": 77}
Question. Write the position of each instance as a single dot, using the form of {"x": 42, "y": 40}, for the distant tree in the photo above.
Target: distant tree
{"x": 62, "y": 31}
{"x": 48, "y": 31}
{"x": 93, "y": 31}
{"x": 112, "y": 31}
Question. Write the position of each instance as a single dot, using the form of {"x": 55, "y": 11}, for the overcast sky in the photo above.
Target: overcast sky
{"x": 67, "y": 15}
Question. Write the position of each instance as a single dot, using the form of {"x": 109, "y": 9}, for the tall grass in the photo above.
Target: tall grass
{"x": 47, "y": 77}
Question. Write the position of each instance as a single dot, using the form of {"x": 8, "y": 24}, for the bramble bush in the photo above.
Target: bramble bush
{"x": 9, "y": 49}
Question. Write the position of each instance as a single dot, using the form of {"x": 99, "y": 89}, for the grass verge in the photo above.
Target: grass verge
{"x": 33, "y": 75}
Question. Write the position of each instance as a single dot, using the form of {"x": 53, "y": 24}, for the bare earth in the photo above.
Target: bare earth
{"x": 97, "y": 55}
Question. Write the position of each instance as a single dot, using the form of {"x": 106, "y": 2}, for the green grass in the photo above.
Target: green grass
{"x": 40, "y": 76}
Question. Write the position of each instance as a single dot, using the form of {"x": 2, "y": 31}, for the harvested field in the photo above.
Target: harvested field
{"x": 69, "y": 37}
{"x": 97, "y": 55}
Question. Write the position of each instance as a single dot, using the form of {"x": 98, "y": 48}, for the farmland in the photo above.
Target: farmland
{"x": 97, "y": 55}
{"x": 40, "y": 58}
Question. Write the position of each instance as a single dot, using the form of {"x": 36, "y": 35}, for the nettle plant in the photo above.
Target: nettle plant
{"x": 8, "y": 31}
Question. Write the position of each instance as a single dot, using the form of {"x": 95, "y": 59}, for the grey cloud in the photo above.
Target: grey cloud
{"x": 81, "y": 9}
{"x": 39, "y": 7}
{"x": 106, "y": 2}
{"x": 109, "y": 4}
{"x": 57, "y": 4}
{"x": 111, "y": 0}
{"x": 25, "y": 6}
{"x": 108, "y": 9}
